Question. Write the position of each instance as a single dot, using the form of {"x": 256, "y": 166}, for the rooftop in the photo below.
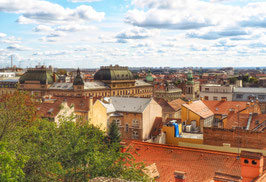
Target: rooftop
{"x": 224, "y": 107}
{"x": 169, "y": 159}
{"x": 252, "y": 90}
{"x": 176, "y": 104}
{"x": 199, "y": 108}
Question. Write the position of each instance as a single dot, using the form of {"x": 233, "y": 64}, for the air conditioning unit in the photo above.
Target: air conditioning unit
{"x": 188, "y": 128}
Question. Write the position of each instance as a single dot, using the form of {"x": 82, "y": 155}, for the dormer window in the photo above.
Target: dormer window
{"x": 254, "y": 162}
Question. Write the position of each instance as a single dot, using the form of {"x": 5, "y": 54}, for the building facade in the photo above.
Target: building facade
{"x": 134, "y": 116}
{"x": 108, "y": 81}
{"x": 216, "y": 92}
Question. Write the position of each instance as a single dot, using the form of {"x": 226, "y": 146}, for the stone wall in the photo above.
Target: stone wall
{"x": 236, "y": 138}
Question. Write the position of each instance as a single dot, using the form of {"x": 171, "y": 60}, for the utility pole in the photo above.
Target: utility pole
{"x": 11, "y": 61}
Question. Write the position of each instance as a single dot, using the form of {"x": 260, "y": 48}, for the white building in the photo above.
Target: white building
{"x": 216, "y": 92}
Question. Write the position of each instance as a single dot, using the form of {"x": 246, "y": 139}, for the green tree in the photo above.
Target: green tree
{"x": 16, "y": 109}
{"x": 71, "y": 152}
{"x": 10, "y": 165}
{"x": 114, "y": 133}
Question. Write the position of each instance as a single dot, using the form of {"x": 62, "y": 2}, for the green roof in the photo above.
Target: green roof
{"x": 113, "y": 73}
{"x": 149, "y": 77}
{"x": 43, "y": 75}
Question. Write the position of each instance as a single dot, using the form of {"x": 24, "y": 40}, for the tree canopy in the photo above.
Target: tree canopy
{"x": 44, "y": 151}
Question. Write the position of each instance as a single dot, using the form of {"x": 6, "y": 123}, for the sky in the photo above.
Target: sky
{"x": 135, "y": 33}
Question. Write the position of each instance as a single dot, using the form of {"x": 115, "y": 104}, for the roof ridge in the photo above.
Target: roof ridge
{"x": 184, "y": 148}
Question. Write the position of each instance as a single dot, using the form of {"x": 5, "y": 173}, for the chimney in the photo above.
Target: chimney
{"x": 223, "y": 177}
{"x": 251, "y": 165}
{"x": 180, "y": 176}
{"x": 123, "y": 147}
{"x": 201, "y": 98}
{"x": 248, "y": 104}
{"x": 54, "y": 77}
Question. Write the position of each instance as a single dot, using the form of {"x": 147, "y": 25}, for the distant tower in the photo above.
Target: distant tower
{"x": 78, "y": 83}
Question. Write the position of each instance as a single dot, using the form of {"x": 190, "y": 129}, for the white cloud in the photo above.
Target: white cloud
{"x": 17, "y": 47}
{"x": 135, "y": 33}
{"x": 2, "y": 35}
{"x": 42, "y": 28}
{"x": 83, "y": 1}
{"x": 74, "y": 28}
{"x": 37, "y": 11}
{"x": 52, "y": 53}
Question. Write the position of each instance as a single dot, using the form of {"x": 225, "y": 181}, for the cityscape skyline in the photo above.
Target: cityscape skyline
{"x": 134, "y": 33}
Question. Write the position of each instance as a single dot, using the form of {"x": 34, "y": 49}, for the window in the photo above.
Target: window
{"x": 117, "y": 122}
{"x": 254, "y": 162}
{"x": 207, "y": 89}
{"x": 135, "y": 123}
{"x": 135, "y": 135}
{"x": 224, "y": 98}
{"x": 239, "y": 96}
{"x": 206, "y": 98}
{"x": 126, "y": 128}
{"x": 246, "y": 161}
{"x": 215, "y": 98}
{"x": 261, "y": 97}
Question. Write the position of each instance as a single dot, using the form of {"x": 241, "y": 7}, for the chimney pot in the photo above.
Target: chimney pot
{"x": 180, "y": 176}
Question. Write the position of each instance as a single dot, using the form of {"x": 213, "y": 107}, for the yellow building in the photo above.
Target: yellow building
{"x": 196, "y": 114}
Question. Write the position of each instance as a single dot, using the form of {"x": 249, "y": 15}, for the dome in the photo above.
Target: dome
{"x": 43, "y": 75}
{"x": 149, "y": 77}
{"x": 113, "y": 73}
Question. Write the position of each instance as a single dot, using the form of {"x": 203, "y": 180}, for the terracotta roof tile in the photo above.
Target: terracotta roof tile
{"x": 165, "y": 106}
{"x": 223, "y": 107}
{"x": 198, "y": 164}
{"x": 199, "y": 108}
{"x": 176, "y": 104}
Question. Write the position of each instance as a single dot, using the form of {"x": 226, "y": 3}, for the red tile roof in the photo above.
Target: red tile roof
{"x": 199, "y": 108}
{"x": 223, "y": 107}
{"x": 258, "y": 122}
{"x": 199, "y": 165}
{"x": 165, "y": 106}
{"x": 176, "y": 104}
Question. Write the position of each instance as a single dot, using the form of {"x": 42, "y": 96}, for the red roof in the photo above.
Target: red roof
{"x": 165, "y": 106}
{"x": 199, "y": 108}
{"x": 199, "y": 165}
{"x": 176, "y": 104}
{"x": 224, "y": 107}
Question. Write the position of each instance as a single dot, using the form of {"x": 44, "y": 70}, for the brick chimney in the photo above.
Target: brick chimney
{"x": 180, "y": 176}
{"x": 224, "y": 177}
{"x": 251, "y": 165}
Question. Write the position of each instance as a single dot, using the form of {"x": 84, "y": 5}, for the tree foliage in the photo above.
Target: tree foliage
{"x": 66, "y": 152}
{"x": 114, "y": 133}
{"x": 16, "y": 109}
{"x": 11, "y": 165}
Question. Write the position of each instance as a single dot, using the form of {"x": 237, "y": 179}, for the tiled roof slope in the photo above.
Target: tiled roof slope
{"x": 176, "y": 104}
{"x": 223, "y": 107}
{"x": 199, "y": 108}
{"x": 199, "y": 165}
{"x": 241, "y": 120}
{"x": 130, "y": 104}
{"x": 165, "y": 106}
